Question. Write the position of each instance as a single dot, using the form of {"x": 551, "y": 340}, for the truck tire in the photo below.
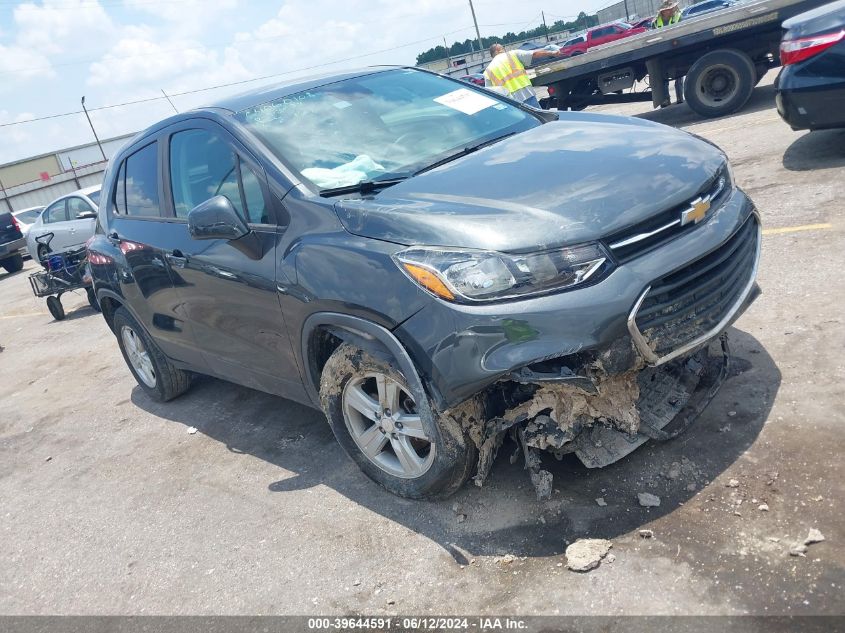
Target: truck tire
{"x": 155, "y": 374}
{"x": 719, "y": 83}
{"x": 13, "y": 264}
{"x": 375, "y": 418}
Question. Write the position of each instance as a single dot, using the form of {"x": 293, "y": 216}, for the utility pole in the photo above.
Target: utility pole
{"x": 627, "y": 14}
{"x": 545, "y": 28}
{"x": 6, "y": 197}
{"x": 448, "y": 56}
{"x": 477, "y": 32}
{"x": 93, "y": 130}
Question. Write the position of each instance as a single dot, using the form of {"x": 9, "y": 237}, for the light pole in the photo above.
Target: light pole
{"x": 84, "y": 109}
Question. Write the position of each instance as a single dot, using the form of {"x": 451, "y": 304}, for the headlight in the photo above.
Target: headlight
{"x": 471, "y": 276}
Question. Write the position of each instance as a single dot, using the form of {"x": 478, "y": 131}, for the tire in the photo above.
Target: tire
{"x": 92, "y": 299}
{"x": 42, "y": 253}
{"x": 54, "y": 305}
{"x": 13, "y": 264}
{"x": 156, "y": 375}
{"x": 436, "y": 455}
{"x": 719, "y": 83}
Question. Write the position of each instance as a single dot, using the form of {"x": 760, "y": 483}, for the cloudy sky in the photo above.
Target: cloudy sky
{"x": 52, "y": 52}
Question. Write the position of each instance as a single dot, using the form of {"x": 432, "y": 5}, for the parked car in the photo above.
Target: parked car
{"x": 811, "y": 84}
{"x": 432, "y": 265}
{"x": 644, "y": 23}
{"x": 69, "y": 219}
{"x": 574, "y": 46}
{"x": 707, "y": 6}
{"x": 26, "y": 218}
{"x": 475, "y": 78}
{"x": 12, "y": 243}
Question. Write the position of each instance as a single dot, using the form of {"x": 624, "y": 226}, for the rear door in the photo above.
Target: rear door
{"x": 140, "y": 227}
{"x": 227, "y": 287}
{"x": 79, "y": 230}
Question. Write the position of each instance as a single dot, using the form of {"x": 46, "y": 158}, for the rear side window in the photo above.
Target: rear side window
{"x": 75, "y": 206}
{"x": 136, "y": 194}
{"x": 203, "y": 165}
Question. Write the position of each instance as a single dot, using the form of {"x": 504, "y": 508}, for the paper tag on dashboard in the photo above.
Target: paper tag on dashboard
{"x": 466, "y": 101}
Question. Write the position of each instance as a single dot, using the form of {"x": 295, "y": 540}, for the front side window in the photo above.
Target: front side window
{"x": 55, "y": 212}
{"x": 383, "y": 125}
{"x": 202, "y": 166}
{"x": 75, "y": 206}
{"x": 137, "y": 184}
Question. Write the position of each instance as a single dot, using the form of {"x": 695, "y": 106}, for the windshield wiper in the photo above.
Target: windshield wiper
{"x": 464, "y": 152}
{"x": 363, "y": 187}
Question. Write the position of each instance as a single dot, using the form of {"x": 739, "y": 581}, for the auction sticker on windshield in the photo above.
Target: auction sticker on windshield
{"x": 466, "y": 101}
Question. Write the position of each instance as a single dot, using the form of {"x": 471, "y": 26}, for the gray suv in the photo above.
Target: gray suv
{"x": 434, "y": 266}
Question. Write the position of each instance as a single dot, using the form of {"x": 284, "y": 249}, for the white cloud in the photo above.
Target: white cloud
{"x": 60, "y": 27}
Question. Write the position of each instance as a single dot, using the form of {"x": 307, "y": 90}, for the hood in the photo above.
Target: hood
{"x": 578, "y": 179}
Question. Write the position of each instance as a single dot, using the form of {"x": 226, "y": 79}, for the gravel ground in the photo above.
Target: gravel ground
{"x": 110, "y": 506}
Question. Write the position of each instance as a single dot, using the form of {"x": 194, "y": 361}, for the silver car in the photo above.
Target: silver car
{"x": 70, "y": 219}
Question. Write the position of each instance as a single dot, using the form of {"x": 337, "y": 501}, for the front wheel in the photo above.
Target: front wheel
{"x": 156, "y": 375}
{"x": 377, "y": 419}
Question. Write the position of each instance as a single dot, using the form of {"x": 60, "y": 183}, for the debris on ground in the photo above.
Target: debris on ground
{"x": 798, "y": 550}
{"x": 507, "y": 559}
{"x": 763, "y": 507}
{"x": 192, "y": 430}
{"x": 773, "y": 477}
{"x": 648, "y": 500}
{"x": 646, "y": 533}
{"x": 586, "y": 554}
{"x": 691, "y": 487}
{"x": 462, "y": 518}
{"x": 814, "y": 537}
{"x": 600, "y": 501}
{"x": 48, "y": 458}
{"x": 610, "y": 558}
{"x": 733, "y": 483}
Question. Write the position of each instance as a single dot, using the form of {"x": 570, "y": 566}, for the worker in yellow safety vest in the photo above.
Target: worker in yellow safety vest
{"x": 669, "y": 15}
{"x": 506, "y": 72}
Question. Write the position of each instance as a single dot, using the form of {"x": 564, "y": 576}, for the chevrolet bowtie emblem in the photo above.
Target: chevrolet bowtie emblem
{"x": 696, "y": 213}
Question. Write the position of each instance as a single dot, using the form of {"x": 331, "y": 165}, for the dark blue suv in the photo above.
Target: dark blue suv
{"x": 432, "y": 265}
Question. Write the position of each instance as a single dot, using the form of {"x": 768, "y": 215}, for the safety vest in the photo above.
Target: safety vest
{"x": 506, "y": 70}
{"x": 659, "y": 23}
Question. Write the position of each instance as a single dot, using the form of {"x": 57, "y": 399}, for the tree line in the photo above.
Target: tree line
{"x": 582, "y": 22}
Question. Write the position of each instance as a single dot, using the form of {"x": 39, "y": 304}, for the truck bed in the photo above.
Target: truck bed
{"x": 704, "y": 30}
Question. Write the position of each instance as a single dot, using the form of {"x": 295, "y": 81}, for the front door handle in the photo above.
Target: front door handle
{"x": 114, "y": 238}
{"x": 176, "y": 258}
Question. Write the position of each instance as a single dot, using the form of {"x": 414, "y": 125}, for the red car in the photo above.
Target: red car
{"x": 598, "y": 35}
{"x": 475, "y": 78}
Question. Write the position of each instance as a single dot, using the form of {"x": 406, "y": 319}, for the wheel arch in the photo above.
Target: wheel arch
{"x": 324, "y": 332}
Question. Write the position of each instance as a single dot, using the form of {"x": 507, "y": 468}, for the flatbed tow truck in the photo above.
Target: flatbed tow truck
{"x": 723, "y": 56}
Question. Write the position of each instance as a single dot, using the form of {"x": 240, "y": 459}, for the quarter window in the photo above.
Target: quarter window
{"x": 203, "y": 165}
{"x": 55, "y": 212}
{"x": 137, "y": 184}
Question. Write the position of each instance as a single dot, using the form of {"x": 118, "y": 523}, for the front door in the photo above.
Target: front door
{"x": 79, "y": 230}
{"x": 54, "y": 221}
{"x": 228, "y": 287}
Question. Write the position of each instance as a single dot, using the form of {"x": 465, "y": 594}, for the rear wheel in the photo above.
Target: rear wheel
{"x": 400, "y": 445}
{"x": 719, "y": 83}
{"x": 156, "y": 375}
{"x": 13, "y": 264}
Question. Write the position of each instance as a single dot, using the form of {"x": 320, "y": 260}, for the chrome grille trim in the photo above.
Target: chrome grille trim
{"x": 654, "y": 359}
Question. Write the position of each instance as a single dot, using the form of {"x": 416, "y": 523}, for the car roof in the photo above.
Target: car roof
{"x": 35, "y": 208}
{"x": 85, "y": 191}
{"x": 274, "y": 91}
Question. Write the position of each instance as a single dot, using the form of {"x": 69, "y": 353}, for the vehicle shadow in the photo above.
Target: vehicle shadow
{"x": 503, "y": 517}
{"x": 7, "y": 275}
{"x": 763, "y": 98}
{"x": 816, "y": 150}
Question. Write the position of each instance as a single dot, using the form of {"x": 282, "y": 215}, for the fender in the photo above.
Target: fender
{"x": 370, "y": 337}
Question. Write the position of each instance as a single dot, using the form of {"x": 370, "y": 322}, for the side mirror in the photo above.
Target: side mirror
{"x": 216, "y": 219}
{"x": 86, "y": 215}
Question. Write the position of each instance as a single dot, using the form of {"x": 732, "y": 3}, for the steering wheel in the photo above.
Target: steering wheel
{"x": 404, "y": 138}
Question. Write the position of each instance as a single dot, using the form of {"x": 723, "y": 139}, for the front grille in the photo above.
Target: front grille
{"x": 692, "y": 301}
{"x": 642, "y": 237}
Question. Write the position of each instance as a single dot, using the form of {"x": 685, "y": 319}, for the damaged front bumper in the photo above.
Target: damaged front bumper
{"x": 598, "y": 371}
